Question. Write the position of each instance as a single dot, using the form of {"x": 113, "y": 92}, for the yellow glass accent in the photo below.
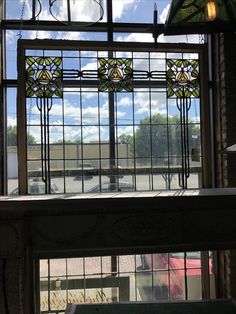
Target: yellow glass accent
{"x": 44, "y": 77}
{"x": 211, "y": 10}
{"x": 182, "y": 78}
{"x": 115, "y": 74}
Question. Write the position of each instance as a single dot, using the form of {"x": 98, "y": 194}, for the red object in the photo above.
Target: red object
{"x": 171, "y": 270}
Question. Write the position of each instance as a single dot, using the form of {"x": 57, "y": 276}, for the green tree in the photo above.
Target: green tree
{"x": 126, "y": 139}
{"x": 30, "y": 139}
{"x": 12, "y": 136}
{"x": 159, "y": 137}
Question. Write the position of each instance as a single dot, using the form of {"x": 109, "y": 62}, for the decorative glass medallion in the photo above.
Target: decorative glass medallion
{"x": 115, "y": 75}
{"x": 43, "y": 77}
{"x": 182, "y": 78}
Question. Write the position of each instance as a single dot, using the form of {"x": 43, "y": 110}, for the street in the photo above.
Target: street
{"x": 70, "y": 184}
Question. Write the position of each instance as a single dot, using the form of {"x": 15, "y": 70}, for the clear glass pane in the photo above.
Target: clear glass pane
{"x": 128, "y": 140}
{"x": 145, "y": 277}
{"x": 194, "y": 283}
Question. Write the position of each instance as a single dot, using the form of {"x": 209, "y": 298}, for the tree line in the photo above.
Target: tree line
{"x": 157, "y": 136}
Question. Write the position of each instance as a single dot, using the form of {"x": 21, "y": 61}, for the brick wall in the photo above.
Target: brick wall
{"x": 225, "y": 128}
{"x": 227, "y": 94}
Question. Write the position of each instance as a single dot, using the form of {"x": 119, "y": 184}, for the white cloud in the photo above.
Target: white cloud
{"x": 45, "y": 15}
{"x": 26, "y": 9}
{"x": 11, "y": 121}
{"x": 89, "y": 116}
{"x": 119, "y": 6}
{"x": 83, "y": 10}
{"x": 39, "y": 34}
{"x": 136, "y": 37}
{"x": 56, "y": 35}
{"x": 10, "y": 37}
{"x": 164, "y": 14}
{"x": 128, "y": 130}
{"x": 88, "y": 93}
{"x": 179, "y": 39}
{"x": 142, "y": 110}
{"x": 91, "y": 133}
{"x": 90, "y": 66}
{"x": 69, "y": 35}
{"x": 142, "y": 103}
{"x": 124, "y": 101}
{"x": 72, "y": 112}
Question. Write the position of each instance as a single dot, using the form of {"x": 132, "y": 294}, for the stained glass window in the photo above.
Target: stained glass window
{"x": 183, "y": 78}
{"x": 115, "y": 74}
{"x": 43, "y": 77}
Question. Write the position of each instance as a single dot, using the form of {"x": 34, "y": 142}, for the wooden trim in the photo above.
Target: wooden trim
{"x": 21, "y": 122}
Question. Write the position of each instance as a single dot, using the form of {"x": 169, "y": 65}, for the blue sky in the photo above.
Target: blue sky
{"x": 88, "y": 10}
{"x": 124, "y": 11}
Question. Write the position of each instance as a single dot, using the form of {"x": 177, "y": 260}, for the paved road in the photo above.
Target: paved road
{"x": 143, "y": 183}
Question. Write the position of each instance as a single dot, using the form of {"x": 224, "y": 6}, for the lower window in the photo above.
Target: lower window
{"x": 144, "y": 277}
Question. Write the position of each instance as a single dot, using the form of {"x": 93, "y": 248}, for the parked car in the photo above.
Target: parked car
{"x": 83, "y": 167}
{"x": 37, "y": 187}
{"x": 121, "y": 185}
{"x": 169, "y": 273}
{"x": 118, "y": 173}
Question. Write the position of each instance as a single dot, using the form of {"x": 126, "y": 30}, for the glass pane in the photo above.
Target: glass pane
{"x": 125, "y": 11}
{"x": 194, "y": 283}
{"x": 127, "y": 264}
{"x": 145, "y": 277}
{"x": 12, "y": 157}
{"x": 144, "y": 285}
{"x": 177, "y": 284}
{"x": 57, "y": 10}
{"x": 161, "y": 285}
{"x": 130, "y": 140}
{"x": 58, "y": 267}
{"x": 19, "y": 10}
